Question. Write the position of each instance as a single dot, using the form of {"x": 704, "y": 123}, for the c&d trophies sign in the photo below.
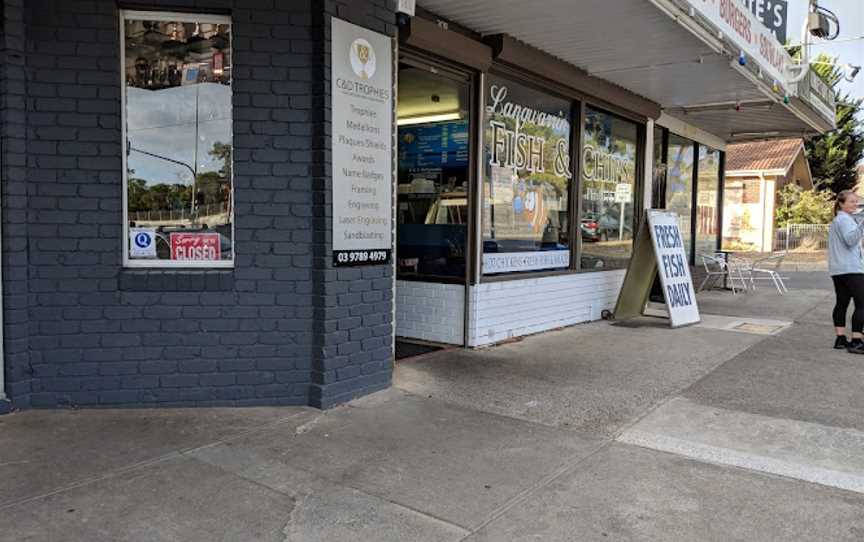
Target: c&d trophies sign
{"x": 659, "y": 249}
{"x": 362, "y": 143}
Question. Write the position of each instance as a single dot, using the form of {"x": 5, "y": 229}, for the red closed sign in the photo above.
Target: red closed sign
{"x": 195, "y": 246}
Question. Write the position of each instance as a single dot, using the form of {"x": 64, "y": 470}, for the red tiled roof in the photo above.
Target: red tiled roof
{"x": 763, "y": 155}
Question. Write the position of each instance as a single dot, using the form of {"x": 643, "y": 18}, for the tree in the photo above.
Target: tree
{"x": 222, "y": 151}
{"x": 798, "y": 206}
{"x": 834, "y": 156}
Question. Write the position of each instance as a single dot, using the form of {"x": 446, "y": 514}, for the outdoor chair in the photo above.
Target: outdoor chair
{"x": 718, "y": 267}
{"x": 768, "y": 268}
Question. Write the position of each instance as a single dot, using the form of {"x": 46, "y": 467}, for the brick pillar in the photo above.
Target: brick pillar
{"x": 13, "y": 177}
{"x": 353, "y": 335}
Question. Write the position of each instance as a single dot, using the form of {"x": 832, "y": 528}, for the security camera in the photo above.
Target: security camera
{"x": 818, "y": 25}
{"x": 406, "y": 6}
{"x": 850, "y": 71}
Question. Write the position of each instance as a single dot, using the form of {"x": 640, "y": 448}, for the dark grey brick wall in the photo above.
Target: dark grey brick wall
{"x": 353, "y": 350}
{"x": 102, "y": 335}
{"x": 283, "y": 327}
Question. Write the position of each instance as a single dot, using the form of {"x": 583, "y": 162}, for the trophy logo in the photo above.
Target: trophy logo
{"x": 362, "y": 57}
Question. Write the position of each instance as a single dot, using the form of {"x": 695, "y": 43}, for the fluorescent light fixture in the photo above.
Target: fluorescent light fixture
{"x": 405, "y": 121}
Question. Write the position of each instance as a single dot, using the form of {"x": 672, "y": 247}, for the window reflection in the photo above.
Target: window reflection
{"x": 608, "y": 190}
{"x": 679, "y": 187}
{"x": 658, "y": 188}
{"x": 527, "y": 179}
{"x": 707, "y": 186}
{"x": 178, "y": 139}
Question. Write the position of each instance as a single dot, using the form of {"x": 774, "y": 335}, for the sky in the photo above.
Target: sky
{"x": 851, "y": 15}
{"x": 162, "y": 122}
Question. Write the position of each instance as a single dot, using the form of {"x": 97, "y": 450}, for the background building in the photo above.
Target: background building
{"x": 755, "y": 174}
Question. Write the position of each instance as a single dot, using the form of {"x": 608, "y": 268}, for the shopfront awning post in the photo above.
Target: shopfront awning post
{"x": 648, "y": 170}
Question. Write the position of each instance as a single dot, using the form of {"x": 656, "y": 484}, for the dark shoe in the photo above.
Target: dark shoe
{"x": 841, "y": 342}
{"x": 855, "y": 347}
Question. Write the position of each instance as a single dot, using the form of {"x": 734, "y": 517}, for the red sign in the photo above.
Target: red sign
{"x": 195, "y": 246}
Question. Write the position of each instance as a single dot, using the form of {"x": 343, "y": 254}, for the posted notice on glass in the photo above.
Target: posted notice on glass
{"x": 362, "y": 93}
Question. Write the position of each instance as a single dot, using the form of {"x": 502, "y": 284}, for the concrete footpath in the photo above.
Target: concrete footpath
{"x": 746, "y": 427}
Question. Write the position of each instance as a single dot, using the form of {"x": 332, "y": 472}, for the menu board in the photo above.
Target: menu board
{"x": 362, "y": 131}
{"x": 439, "y": 145}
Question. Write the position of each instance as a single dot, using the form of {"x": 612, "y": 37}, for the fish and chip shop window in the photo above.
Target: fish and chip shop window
{"x": 691, "y": 174}
{"x": 679, "y": 187}
{"x": 527, "y": 178}
{"x": 707, "y": 200}
{"x": 608, "y": 190}
{"x": 178, "y": 140}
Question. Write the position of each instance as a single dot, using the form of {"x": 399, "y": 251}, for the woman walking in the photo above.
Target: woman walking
{"x": 846, "y": 267}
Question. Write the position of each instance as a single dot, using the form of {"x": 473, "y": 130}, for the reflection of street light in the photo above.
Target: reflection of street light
{"x": 173, "y": 161}
{"x": 192, "y": 169}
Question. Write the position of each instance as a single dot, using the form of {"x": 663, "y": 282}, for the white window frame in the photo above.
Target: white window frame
{"x": 170, "y": 16}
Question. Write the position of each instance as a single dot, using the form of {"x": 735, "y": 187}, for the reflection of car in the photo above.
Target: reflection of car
{"x": 589, "y": 228}
{"x": 604, "y": 227}
{"x": 609, "y": 226}
{"x": 163, "y": 240}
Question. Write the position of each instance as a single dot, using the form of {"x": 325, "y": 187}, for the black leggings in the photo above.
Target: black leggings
{"x": 847, "y": 287}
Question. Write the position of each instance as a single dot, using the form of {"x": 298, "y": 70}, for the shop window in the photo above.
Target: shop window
{"x": 526, "y": 179}
{"x": 178, "y": 140}
{"x": 679, "y": 187}
{"x": 433, "y": 174}
{"x": 707, "y": 188}
{"x": 658, "y": 188}
{"x": 608, "y": 191}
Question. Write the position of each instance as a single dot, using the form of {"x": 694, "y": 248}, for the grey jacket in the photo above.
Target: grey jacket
{"x": 844, "y": 245}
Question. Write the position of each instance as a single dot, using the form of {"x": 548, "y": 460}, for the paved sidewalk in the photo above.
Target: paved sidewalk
{"x": 627, "y": 431}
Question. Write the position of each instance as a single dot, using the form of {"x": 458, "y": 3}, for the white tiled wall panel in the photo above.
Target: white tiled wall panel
{"x": 430, "y": 311}
{"x": 503, "y": 310}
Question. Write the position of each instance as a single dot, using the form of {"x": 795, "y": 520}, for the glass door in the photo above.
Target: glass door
{"x": 433, "y": 173}
{"x": 434, "y": 217}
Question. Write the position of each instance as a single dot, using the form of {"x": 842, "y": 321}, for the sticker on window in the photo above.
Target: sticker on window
{"x": 142, "y": 243}
{"x": 195, "y": 247}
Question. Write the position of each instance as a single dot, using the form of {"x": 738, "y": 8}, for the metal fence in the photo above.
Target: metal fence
{"x": 179, "y": 215}
{"x": 802, "y": 237}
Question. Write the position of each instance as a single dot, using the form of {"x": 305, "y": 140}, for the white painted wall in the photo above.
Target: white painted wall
{"x": 503, "y": 310}
{"x": 769, "y": 189}
{"x": 750, "y": 223}
{"x": 430, "y": 311}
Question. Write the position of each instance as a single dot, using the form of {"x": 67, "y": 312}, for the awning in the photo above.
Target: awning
{"x": 676, "y": 53}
